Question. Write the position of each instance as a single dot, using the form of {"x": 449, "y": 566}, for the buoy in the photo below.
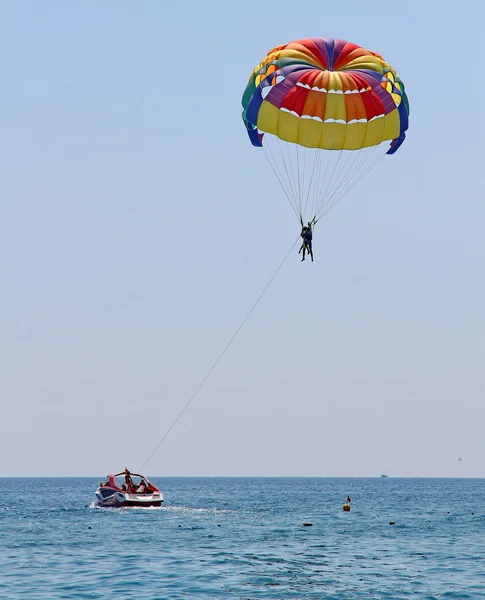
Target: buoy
{"x": 346, "y": 507}
{"x": 307, "y": 524}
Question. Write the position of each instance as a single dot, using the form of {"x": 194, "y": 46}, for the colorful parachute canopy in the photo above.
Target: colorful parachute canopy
{"x": 324, "y": 95}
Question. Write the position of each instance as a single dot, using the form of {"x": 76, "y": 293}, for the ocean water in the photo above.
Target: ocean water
{"x": 243, "y": 538}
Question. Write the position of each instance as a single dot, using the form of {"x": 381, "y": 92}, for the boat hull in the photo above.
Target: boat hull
{"x": 115, "y": 499}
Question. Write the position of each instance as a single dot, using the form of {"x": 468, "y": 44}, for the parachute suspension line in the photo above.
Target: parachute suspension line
{"x": 324, "y": 181}
{"x": 292, "y": 167}
{"x": 366, "y": 156}
{"x": 300, "y": 204}
{"x": 322, "y": 177}
{"x": 335, "y": 185}
{"x": 355, "y": 182}
{"x": 308, "y": 173}
{"x": 305, "y": 154}
{"x": 327, "y": 180}
{"x": 279, "y": 175}
{"x": 319, "y": 180}
{"x": 365, "y": 164}
{"x": 303, "y": 182}
{"x": 222, "y": 353}
{"x": 351, "y": 173}
{"x": 332, "y": 175}
{"x": 352, "y": 157}
{"x": 290, "y": 177}
{"x": 315, "y": 169}
{"x": 312, "y": 173}
{"x": 295, "y": 179}
{"x": 351, "y": 185}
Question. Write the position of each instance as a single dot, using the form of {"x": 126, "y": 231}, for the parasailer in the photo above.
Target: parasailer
{"x": 325, "y": 111}
{"x": 307, "y": 236}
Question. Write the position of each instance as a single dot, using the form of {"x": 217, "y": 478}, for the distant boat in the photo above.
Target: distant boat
{"x": 384, "y": 475}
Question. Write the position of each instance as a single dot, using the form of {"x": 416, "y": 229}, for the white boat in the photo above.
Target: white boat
{"x": 132, "y": 492}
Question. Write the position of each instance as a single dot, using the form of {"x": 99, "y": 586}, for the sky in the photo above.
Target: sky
{"x": 138, "y": 226}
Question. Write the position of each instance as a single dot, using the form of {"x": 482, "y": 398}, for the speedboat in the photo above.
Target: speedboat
{"x": 134, "y": 490}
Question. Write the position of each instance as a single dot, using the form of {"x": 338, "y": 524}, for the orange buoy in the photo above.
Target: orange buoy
{"x": 346, "y": 507}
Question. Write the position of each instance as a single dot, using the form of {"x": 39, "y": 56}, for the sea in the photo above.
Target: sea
{"x": 245, "y": 538}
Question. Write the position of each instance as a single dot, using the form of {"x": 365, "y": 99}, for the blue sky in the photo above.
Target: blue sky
{"x": 138, "y": 225}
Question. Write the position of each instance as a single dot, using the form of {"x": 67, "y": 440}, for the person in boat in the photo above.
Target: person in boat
{"x": 142, "y": 488}
{"x": 130, "y": 486}
{"x": 307, "y": 236}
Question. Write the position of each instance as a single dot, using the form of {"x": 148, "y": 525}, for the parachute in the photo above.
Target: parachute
{"x": 325, "y": 111}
